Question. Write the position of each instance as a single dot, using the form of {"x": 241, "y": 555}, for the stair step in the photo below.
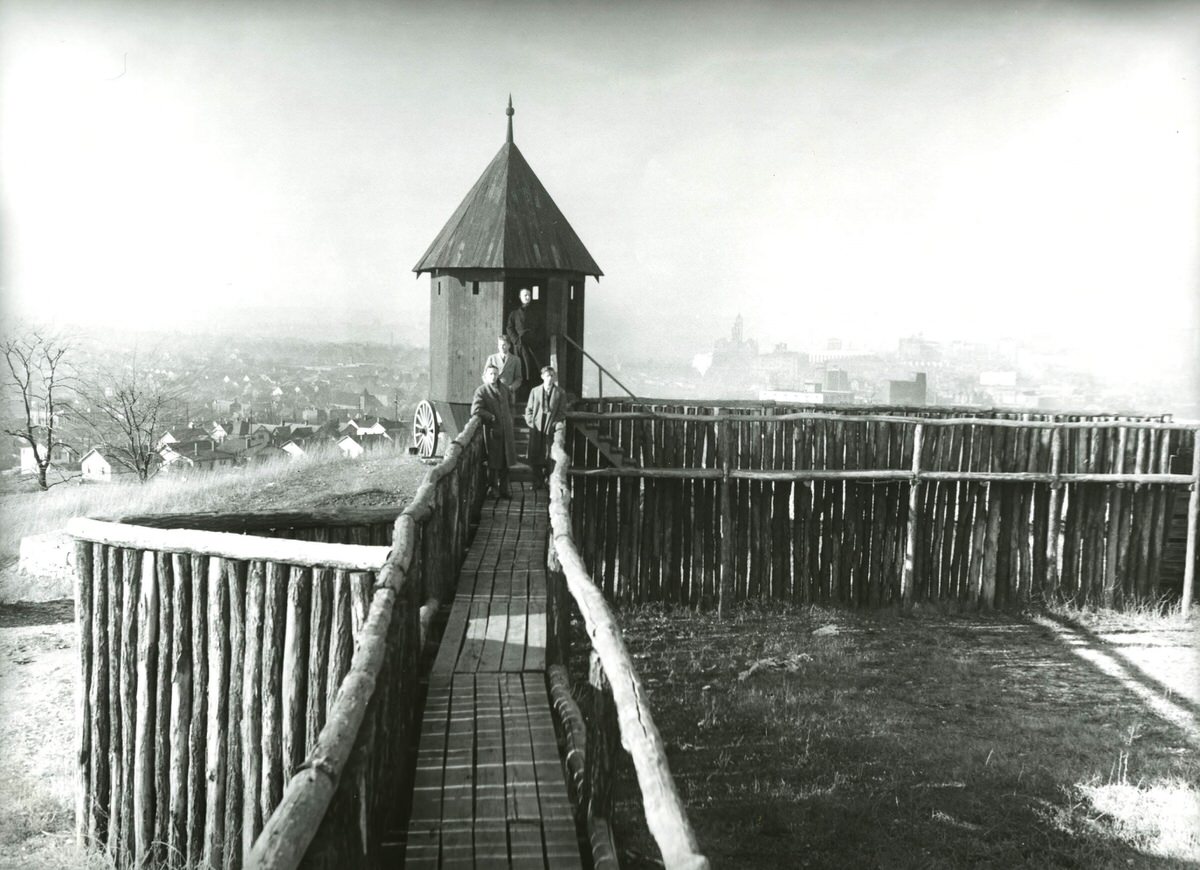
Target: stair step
{"x": 608, "y": 450}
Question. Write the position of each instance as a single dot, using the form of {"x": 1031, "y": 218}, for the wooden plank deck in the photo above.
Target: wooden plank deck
{"x": 489, "y": 788}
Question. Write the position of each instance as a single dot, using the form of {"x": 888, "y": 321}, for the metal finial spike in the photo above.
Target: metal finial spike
{"x": 510, "y": 112}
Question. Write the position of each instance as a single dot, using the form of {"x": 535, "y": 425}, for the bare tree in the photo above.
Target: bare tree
{"x": 127, "y": 407}
{"x": 38, "y": 380}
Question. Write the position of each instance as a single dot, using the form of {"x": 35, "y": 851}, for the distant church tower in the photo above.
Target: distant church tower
{"x": 507, "y": 235}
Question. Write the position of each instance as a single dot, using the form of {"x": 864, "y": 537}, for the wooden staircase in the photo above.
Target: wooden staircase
{"x": 1174, "y": 554}
{"x": 610, "y": 451}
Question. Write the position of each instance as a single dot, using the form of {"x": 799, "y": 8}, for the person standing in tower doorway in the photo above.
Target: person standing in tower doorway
{"x": 542, "y": 411}
{"x": 526, "y": 330}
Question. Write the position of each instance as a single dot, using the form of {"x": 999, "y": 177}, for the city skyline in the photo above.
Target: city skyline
{"x": 1021, "y": 172}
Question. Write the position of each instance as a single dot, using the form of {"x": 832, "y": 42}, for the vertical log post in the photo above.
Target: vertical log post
{"x": 143, "y": 757}
{"x": 726, "y": 542}
{"x": 1054, "y": 517}
{"x": 1189, "y": 565}
{"x": 235, "y": 581}
{"x": 162, "y": 708}
{"x": 218, "y": 705}
{"x": 196, "y": 742}
{"x": 252, "y": 708}
{"x": 914, "y": 504}
{"x": 83, "y": 718}
{"x": 181, "y": 706}
{"x": 114, "y": 572}
{"x": 98, "y": 697}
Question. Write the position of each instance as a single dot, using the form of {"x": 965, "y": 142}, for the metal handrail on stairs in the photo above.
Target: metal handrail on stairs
{"x": 601, "y": 371}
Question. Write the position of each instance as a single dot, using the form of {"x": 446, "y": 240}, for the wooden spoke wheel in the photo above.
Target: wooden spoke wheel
{"x": 426, "y": 428}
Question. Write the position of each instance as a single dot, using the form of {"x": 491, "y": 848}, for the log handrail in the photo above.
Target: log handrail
{"x": 1004, "y": 423}
{"x": 665, "y": 813}
{"x": 223, "y": 521}
{"x": 352, "y": 557}
{"x": 287, "y": 833}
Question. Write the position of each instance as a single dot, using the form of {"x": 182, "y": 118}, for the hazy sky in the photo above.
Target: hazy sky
{"x": 864, "y": 170}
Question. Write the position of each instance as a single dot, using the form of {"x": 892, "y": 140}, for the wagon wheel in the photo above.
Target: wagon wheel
{"x": 426, "y": 427}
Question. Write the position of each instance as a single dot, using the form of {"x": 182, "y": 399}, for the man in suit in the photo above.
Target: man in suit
{"x": 542, "y": 411}
{"x": 526, "y": 330}
{"x": 491, "y": 402}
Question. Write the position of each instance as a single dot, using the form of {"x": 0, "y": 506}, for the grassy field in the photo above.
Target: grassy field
{"x": 868, "y": 740}
{"x": 323, "y": 480}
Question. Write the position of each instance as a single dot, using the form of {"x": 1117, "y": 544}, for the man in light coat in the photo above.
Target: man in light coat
{"x": 543, "y": 410}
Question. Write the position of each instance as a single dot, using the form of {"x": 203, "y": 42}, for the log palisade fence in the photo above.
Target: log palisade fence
{"x": 737, "y": 501}
{"x": 242, "y": 695}
{"x": 620, "y": 697}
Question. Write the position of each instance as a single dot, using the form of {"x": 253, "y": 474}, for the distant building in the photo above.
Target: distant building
{"x": 98, "y": 465}
{"x": 198, "y": 455}
{"x": 811, "y": 393}
{"x": 294, "y": 449}
{"x": 62, "y": 456}
{"x": 735, "y": 350}
{"x": 781, "y": 368}
{"x": 350, "y": 446}
{"x": 907, "y": 392}
{"x": 237, "y": 444}
{"x": 999, "y": 386}
{"x": 836, "y": 380}
{"x": 180, "y": 435}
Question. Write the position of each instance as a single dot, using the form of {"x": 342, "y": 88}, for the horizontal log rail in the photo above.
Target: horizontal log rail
{"x": 665, "y": 814}
{"x": 288, "y": 832}
{"x": 997, "y": 422}
{"x": 890, "y": 410}
{"x": 220, "y": 521}
{"x": 352, "y": 557}
{"x": 890, "y": 475}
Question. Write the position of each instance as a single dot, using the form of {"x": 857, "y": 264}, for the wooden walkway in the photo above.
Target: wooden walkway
{"x": 489, "y": 788}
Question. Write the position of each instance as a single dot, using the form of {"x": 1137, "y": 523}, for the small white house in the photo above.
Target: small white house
{"x": 60, "y": 455}
{"x": 97, "y": 467}
{"x": 294, "y": 449}
{"x": 350, "y": 446}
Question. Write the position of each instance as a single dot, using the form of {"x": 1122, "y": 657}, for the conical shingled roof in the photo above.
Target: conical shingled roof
{"x": 508, "y": 221}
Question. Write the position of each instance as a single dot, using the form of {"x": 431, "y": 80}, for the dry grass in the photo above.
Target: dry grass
{"x": 889, "y": 742}
{"x": 37, "y": 731}
{"x": 320, "y": 480}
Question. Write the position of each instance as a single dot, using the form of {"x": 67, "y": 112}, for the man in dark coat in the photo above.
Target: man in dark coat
{"x": 492, "y": 402}
{"x": 542, "y": 411}
{"x": 526, "y": 329}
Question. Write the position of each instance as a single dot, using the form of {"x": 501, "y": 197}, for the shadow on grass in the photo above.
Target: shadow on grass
{"x": 26, "y": 613}
{"x": 940, "y": 742}
{"x": 1109, "y": 660}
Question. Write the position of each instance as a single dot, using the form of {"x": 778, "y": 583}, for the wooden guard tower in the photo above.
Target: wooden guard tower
{"x": 506, "y": 236}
